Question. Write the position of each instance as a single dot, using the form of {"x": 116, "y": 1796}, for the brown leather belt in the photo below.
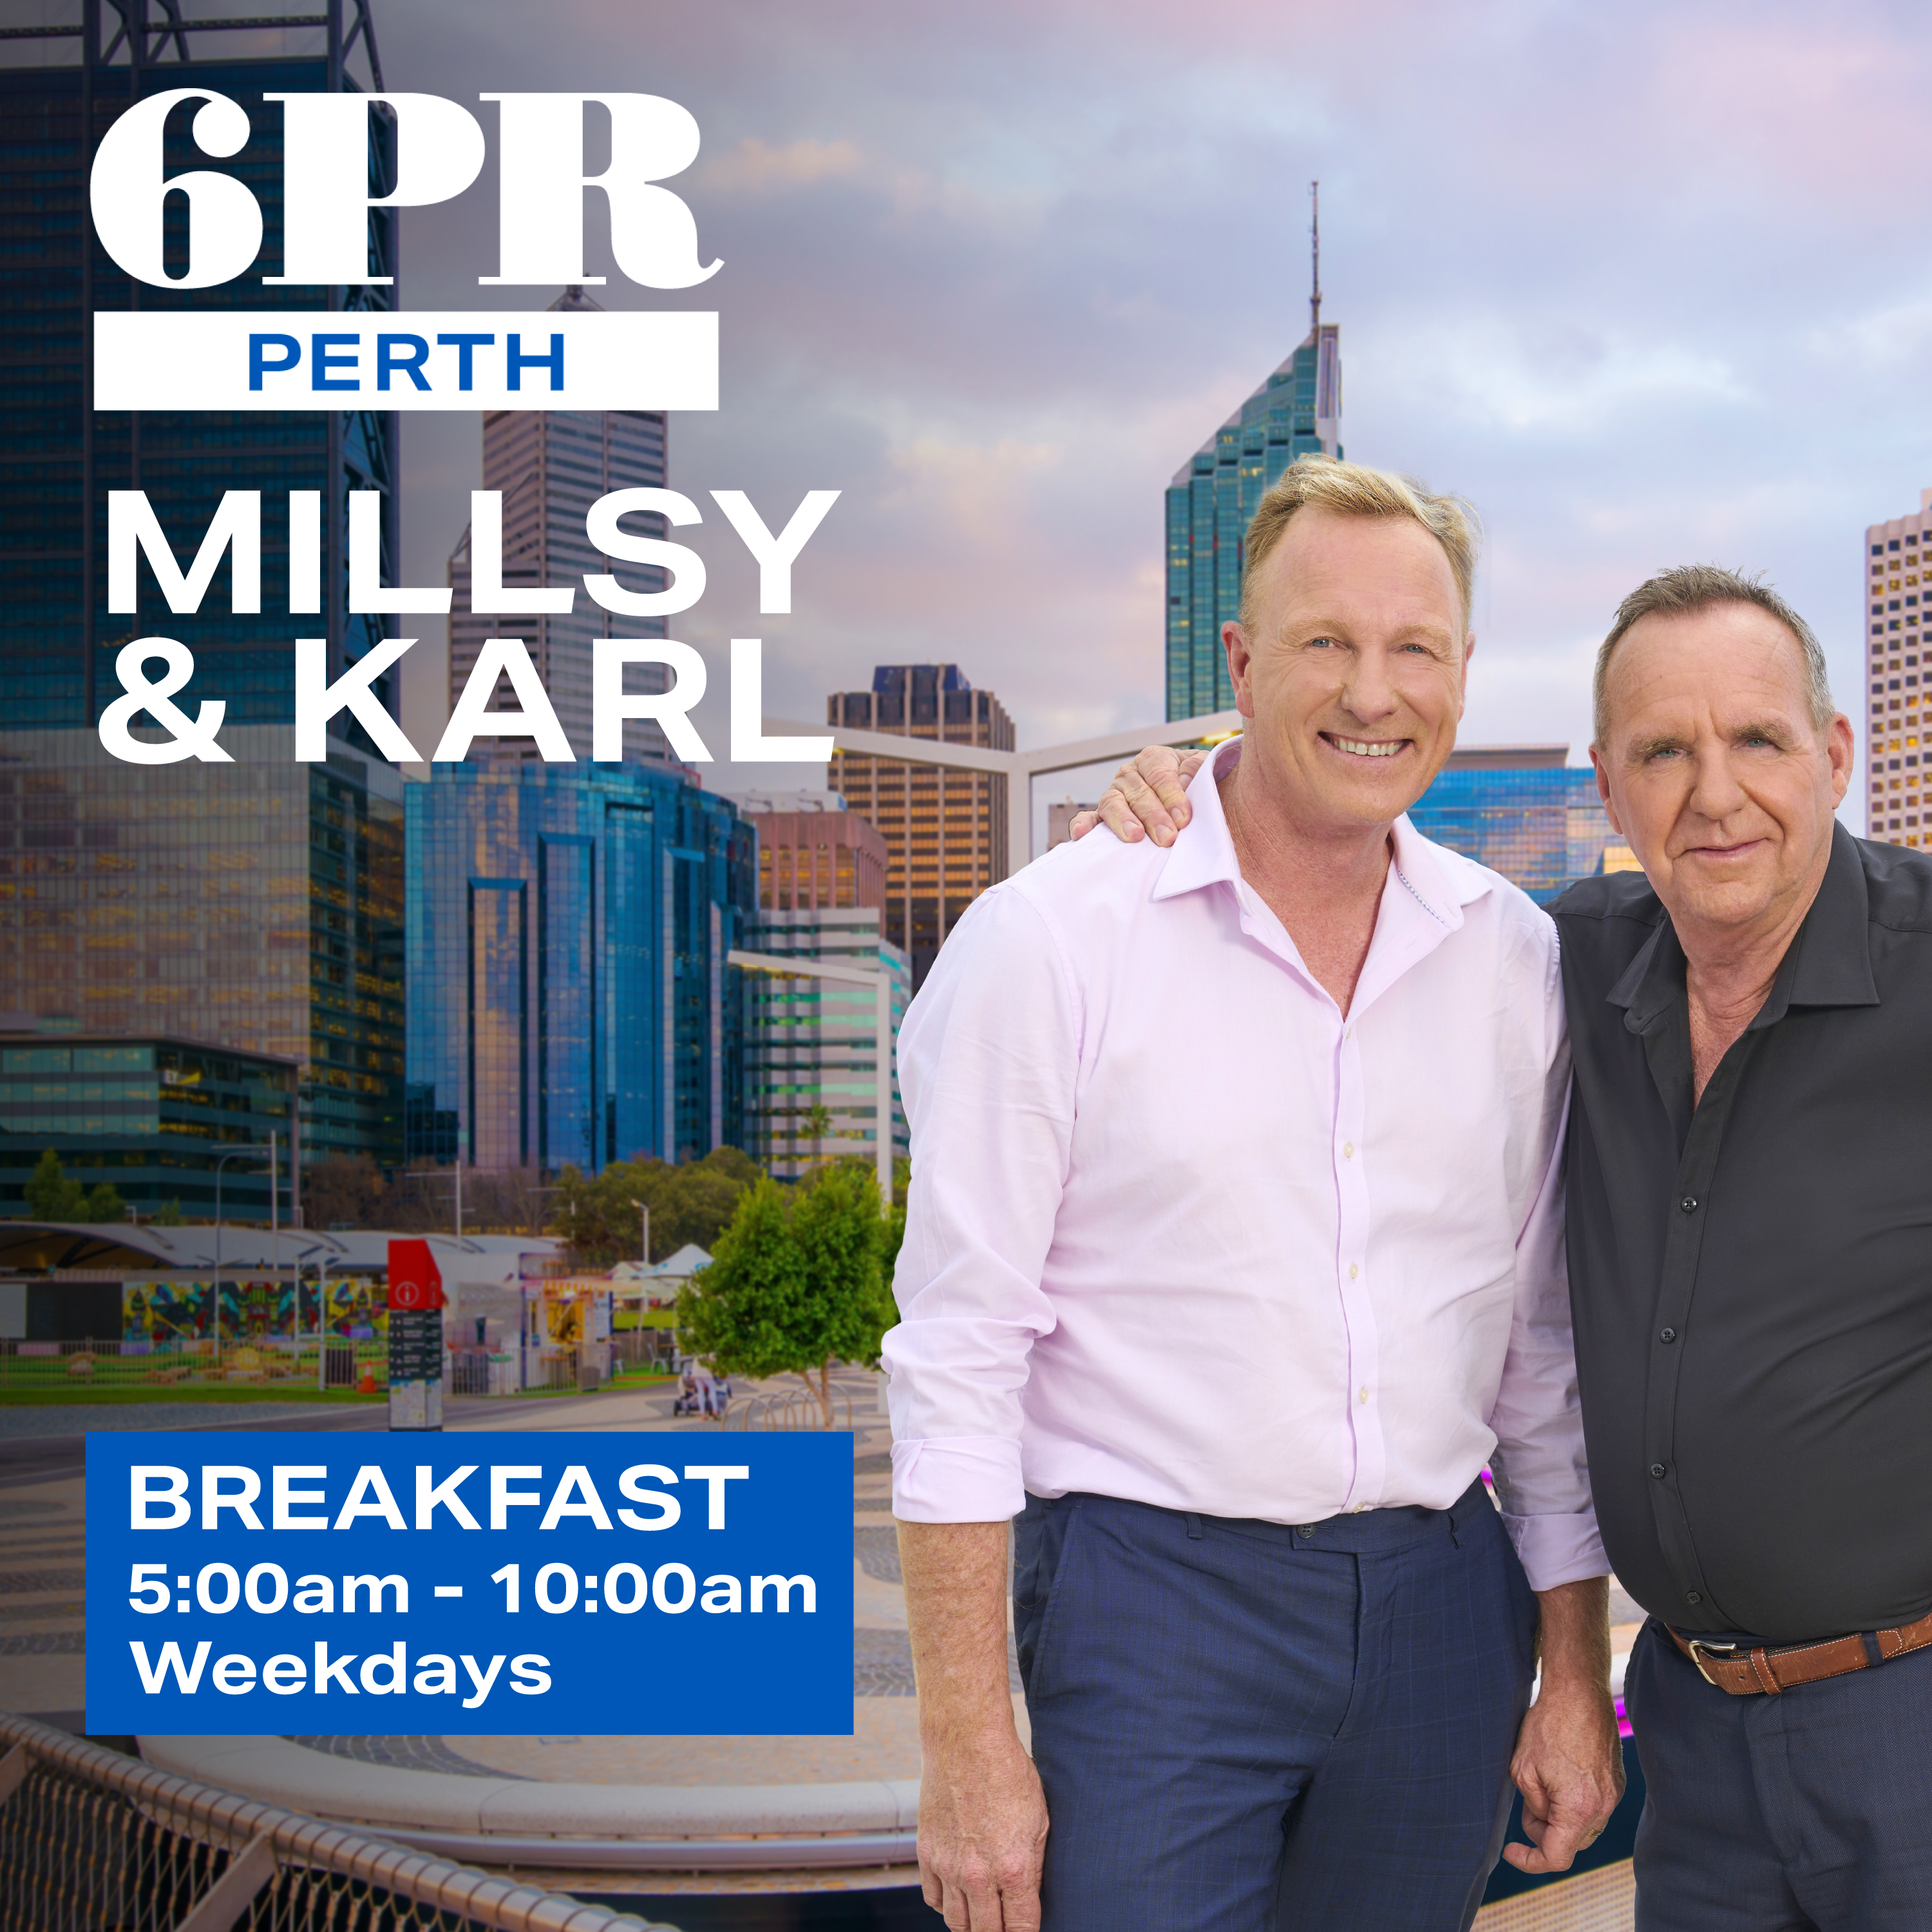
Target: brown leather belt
{"x": 1746, "y": 1672}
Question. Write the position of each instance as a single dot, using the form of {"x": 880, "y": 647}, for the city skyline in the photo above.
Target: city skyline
{"x": 995, "y": 326}
{"x": 992, "y": 325}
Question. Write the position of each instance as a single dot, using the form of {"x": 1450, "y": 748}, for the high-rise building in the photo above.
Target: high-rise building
{"x": 811, "y": 1057}
{"x": 256, "y": 907}
{"x": 551, "y": 465}
{"x": 1296, "y": 412}
{"x": 1521, "y": 811}
{"x": 1899, "y": 798}
{"x": 149, "y": 1116}
{"x": 814, "y": 853}
{"x": 945, "y": 830}
{"x": 59, "y": 458}
{"x": 568, "y": 996}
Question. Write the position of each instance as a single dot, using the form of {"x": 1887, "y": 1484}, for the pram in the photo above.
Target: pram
{"x": 700, "y": 1392}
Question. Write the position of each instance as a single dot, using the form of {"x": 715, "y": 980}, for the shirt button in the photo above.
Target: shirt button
{"x": 1347, "y": 1149}
{"x": 1669, "y": 1335}
{"x": 1657, "y": 1470}
{"x": 1689, "y": 1203}
{"x": 1353, "y": 1270}
{"x": 1694, "y": 1597}
{"x": 1362, "y": 1393}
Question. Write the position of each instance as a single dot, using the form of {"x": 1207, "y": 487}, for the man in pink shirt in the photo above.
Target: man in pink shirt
{"x": 1276, "y": 1643}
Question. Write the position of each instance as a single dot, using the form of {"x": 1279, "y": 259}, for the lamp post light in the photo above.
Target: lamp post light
{"x": 220, "y": 1161}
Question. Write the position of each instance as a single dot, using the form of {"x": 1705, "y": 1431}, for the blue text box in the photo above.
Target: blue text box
{"x": 317, "y": 1583}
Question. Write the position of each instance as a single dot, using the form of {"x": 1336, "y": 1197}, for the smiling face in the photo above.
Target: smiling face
{"x": 1353, "y": 672}
{"x": 1716, "y": 771}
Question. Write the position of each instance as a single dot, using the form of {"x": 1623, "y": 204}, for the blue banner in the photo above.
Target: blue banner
{"x": 317, "y": 1583}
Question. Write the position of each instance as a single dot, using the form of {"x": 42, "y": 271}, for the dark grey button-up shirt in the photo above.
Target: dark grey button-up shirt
{"x": 1751, "y": 1277}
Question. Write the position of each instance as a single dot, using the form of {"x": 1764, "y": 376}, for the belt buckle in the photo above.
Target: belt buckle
{"x": 1698, "y": 1647}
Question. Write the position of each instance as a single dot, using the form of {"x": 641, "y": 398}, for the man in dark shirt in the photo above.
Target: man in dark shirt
{"x": 1750, "y": 1254}
{"x": 1751, "y": 1271}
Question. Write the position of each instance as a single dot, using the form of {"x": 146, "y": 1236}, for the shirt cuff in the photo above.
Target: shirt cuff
{"x": 958, "y": 1479}
{"x": 1556, "y": 1550}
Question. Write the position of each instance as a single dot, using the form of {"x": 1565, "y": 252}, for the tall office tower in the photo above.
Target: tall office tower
{"x": 256, "y": 907}
{"x": 1296, "y": 412}
{"x": 945, "y": 830}
{"x": 1899, "y": 805}
{"x": 58, "y": 459}
{"x": 811, "y": 1045}
{"x": 1521, "y": 811}
{"x": 813, "y": 852}
{"x": 150, "y": 1117}
{"x": 569, "y": 997}
{"x": 551, "y": 465}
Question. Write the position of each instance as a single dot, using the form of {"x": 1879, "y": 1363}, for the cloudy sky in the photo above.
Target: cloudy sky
{"x": 1647, "y": 282}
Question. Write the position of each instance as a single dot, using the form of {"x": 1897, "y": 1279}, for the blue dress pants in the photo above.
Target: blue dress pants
{"x": 1807, "y": 1812}
{"x": 1246, "y": 1727}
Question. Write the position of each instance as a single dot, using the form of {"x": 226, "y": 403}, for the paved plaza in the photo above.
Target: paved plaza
{"x": 43, "y": 1622}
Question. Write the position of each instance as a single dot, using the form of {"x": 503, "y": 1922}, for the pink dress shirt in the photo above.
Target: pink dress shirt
{"x": 1182, "y": 1231}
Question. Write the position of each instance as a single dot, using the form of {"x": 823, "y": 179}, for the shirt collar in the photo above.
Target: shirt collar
{"x": 1828, "y": 964}
{"x": 1425, "y": 874}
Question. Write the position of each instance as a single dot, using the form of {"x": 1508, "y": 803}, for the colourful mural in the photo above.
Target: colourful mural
{"x": 159, "y": 1314}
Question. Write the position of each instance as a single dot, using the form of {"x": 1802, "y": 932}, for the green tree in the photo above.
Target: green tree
{"x": 818, "y": 1124}
{"x": 795, "y": 1283}
{"x": 170, "y": 1217}
{"x": 51, "y": 1196}
{"x": 104, "y": 1203}
{"x": 740, "y": 1310}
{"x": 691, "y": 1203}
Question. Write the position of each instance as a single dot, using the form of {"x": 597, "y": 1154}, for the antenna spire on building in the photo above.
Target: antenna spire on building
{"x": 1315, "y": 239}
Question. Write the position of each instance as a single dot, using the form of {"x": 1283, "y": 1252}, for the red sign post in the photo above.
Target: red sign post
{"x": 415, "y": 1282}
{"x": 416, "y": 1303}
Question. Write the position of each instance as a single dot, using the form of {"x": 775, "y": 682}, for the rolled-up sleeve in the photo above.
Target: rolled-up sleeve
{"x": 988, "y": 1059}
{"x": 1542, "y": 1479}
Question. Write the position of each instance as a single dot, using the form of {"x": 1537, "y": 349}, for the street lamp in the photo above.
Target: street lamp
{"x": 643, "y": 1207}
{"x": 221, "y": 1161}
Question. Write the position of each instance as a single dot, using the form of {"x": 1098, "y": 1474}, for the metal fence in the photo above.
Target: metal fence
{"x": 92, "y": 1841}
{"x": 51, "y": 1366}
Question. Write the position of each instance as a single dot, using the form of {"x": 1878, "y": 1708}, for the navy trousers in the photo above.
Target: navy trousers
{"x": 1806, "y": 1812}
{"x": 1250, "y": 1727}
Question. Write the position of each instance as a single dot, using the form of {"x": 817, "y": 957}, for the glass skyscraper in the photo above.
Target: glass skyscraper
{"x": 58, "y": 459}
{"x": 256, "y": 906}
{"x": 569, "y": 999}
{"x": 1296, "y": 412}
{"x": 1521, "y": 811}
{"x": 149, "y": 1117}
{"x": 813, "y": 1043}
{"x": 551, "y": 466}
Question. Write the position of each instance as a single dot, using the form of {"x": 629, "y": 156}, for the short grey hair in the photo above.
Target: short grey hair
{"x": 1704, "y": 587}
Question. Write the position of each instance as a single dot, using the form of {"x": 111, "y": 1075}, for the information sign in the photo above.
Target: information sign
{"x": 316, "y": 1583}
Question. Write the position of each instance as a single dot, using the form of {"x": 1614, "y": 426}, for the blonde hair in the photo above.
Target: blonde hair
{"x": 1704, "y": 587}
{"x": 1354, "y": 490}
